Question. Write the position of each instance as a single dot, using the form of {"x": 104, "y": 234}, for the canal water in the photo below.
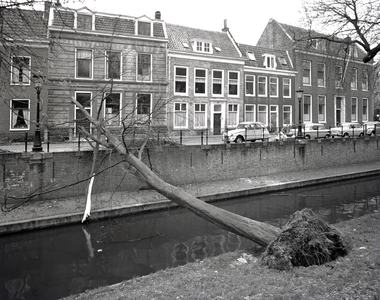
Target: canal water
{"x": 57, "y": 262}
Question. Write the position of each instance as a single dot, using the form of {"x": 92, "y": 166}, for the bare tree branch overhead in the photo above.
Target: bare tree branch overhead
{"x": 346, "y": 21}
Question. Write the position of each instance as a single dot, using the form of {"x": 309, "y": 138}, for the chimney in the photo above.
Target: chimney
{"x": 48, "y": 4}
{"x": 225, "y": 29}
{"x": 158, "y": 15}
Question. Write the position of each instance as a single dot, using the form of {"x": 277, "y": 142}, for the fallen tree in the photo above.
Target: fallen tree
{"x": 259, "y": 232}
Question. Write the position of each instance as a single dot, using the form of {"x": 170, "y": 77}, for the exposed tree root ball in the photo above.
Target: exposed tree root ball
{"x": 305, "y": 240}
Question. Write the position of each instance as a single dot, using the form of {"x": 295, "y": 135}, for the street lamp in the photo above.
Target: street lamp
{"x": 37, "y": 147}
{"x": 299, "y": 94}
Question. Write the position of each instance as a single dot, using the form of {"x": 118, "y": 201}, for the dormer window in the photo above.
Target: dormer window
{"x": 270, "y": 61}
{"x": 84, "y": 21}
{"x": 144, "y": 28}
{"x": 202, "y": 46}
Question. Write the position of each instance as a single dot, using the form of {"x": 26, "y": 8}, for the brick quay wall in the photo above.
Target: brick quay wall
{"x": 65, "y": 174}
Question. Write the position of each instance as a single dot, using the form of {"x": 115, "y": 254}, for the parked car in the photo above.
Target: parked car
{"x": 349, "y": 129}
{"x": 372, "y": 127}
{"x": 309, "y": 131}
{"x": 247, "y": 131}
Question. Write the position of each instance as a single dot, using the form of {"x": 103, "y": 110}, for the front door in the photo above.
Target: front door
{"x": 217, "y": 123}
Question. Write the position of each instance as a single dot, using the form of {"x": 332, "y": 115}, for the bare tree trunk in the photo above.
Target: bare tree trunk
{"x": 258, "y": 232}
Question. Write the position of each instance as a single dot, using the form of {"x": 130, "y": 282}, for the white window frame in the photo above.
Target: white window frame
{"x": 76, "y": 64}
{"x": 290, "y": 112}
{"x": 308, "y": 62}
{"x": 204, "y": 80}
{"x": 143, "y": 118}
{"x": 13, "y": 115}
{"x": 186, "y": 115}
{"x": 354, "y": 79}
{"x": 202, "y": 46}
{"x": 251, "y": 82}
{"x": 235, "y": 112}
{"x": 85, "y": 14}
{"x": 76, "y": 108}
{"x": 323, "y": 83}
{"x": 253, "y": 112}
{"x": 234, "y": 82}
{"x": 342, "y": 109}
{"x": 287, "y": 84}
{"x": 150, "y": 68}
{"x": 198, "y": 112}
{"x": 322, "y": 120}
{"x": 274, "y": 112}
{"x": 26, "y": 73}
{"x": 114, "y": 120}
{"x": 365, "y": 80}
{"x": 275, "y": 83}
{"x": 182, "y": 77}
{"x": 270, "y": 61}
{"x": 338, "y": 82}
{"x": 310, "y": 109}
{"x": 354, "y": 115}
{"x": 107, "y": 65}
{"x": 265, "y": 86}
{"x": 216, "y": 80}
{"x": 265, "y": 111}
{"x": 364, "y": 112}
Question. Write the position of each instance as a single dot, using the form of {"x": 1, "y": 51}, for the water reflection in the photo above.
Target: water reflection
{"x": 53, "y": 263}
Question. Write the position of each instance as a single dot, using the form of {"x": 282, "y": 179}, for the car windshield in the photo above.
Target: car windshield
{"x": 242, "y": 126}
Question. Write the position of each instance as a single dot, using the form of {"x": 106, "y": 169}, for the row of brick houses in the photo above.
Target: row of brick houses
{"x": 133, "y": 71}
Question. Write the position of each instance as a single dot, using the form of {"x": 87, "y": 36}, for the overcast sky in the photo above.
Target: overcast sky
{"x": 245, "y": 18}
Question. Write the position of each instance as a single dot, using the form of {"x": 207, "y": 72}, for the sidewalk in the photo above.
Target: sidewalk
{"x": 40, "y": 214}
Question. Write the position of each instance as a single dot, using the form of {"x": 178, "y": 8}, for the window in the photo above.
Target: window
{"x": 339, "y": 104}
{"x": 321, "y": 74}
{"x": 143, "y": 108}
{"x": 354, "y": 109}
{"x": 250, "y": 85}
{"x": 251, "y": 56}
{"x": 144, "y": 67}
{"x": 20, "y": 115}
{"x": 270, "y": 61}
{"x": 282, "y": 60}
{"x": 112, "y": 109}
{"x": 287, "y": 114}
{"x": 249, "y": 113}
{"x": 307, "y": 108}
{"x": 84, "y": 64}
{"x": 365, "y": 110}
{"x": 80, "y": 120}
{"x": 354, "y": 79}
{"x": 84, "y": 22}
{"x": 143, "y": 28}
{"x": 217, "y": 83}
{"x": 20, "y": 70}
{"x": 113, "y": 68}
{"x": 306, "y": 72}
{"x": 286, "y": 87}
{"x": 200, "y": 82}
{"x": 262, "y": 114}
{"x": 180, "y": 81}
{"x": 233, "y": 83}
{"x": 321, "y": 108}
{"x": 232, "y": 115}
{"x": 262, "y": 86}
{"x": 201, "y": 46}
{"x": 353, "y": 51}
{"x": 365, "y": 80}
{"x": 180, "y": 115}
{"x": 200, "y": 115}
{"x": 273, "y": 87}
{"x": 273, "y": 117}
{"x": 338, "y": 76}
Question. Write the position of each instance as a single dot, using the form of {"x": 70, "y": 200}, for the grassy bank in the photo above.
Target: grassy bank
{"x": 239, "y": 275}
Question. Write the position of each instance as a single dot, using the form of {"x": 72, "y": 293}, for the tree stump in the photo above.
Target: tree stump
{"x": 305, "y": 240}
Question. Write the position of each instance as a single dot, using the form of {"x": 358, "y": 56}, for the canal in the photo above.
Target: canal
{"x": 56, "y": 262}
